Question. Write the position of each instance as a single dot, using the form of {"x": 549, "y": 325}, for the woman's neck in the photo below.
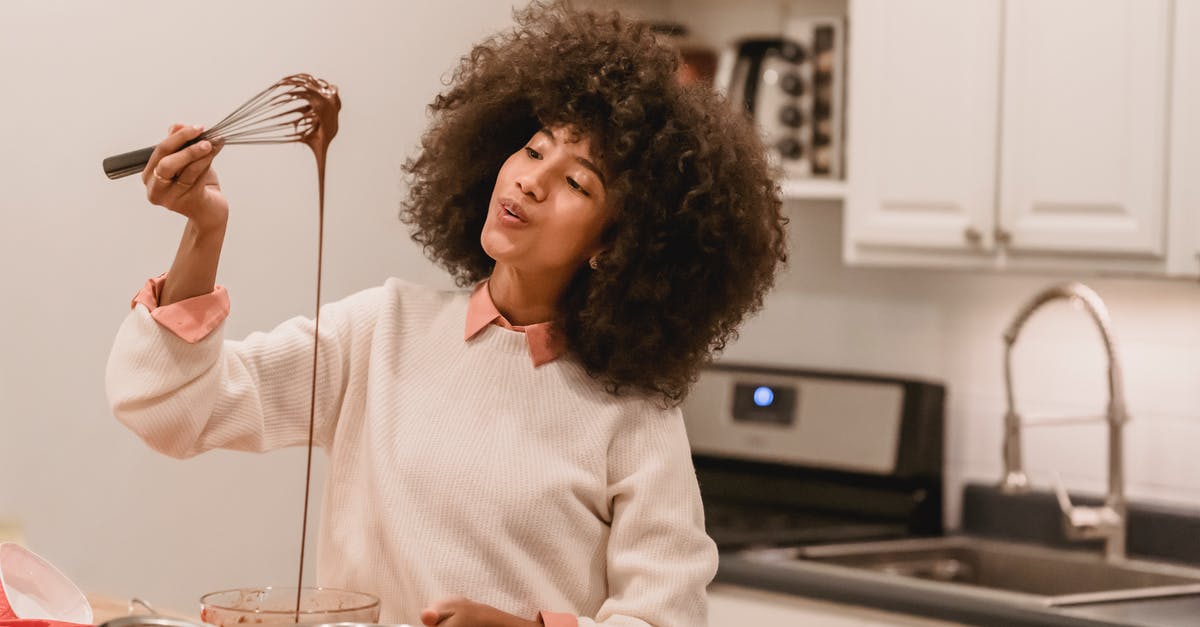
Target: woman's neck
{"x": 524, "y": 299}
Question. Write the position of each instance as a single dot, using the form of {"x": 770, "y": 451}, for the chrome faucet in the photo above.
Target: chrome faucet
{"x": 1079, "y": 523}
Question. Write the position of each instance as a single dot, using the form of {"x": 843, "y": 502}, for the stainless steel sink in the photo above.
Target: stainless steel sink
{"x": 998, "y": 570}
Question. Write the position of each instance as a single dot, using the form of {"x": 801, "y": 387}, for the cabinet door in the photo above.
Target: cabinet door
{"x": 1083, "y": 126}
{"x": 1184, "y": 200}
{"x": 921, "y": 127}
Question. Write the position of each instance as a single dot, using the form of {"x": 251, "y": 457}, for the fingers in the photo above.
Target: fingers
{"x": 431, "y": 617}
{"x": 171, "y": 166}
{"x": 442, "y": 609}
{"x": 164, "y": 182}
{"x": 178, "y": 136}
{"x": 196, "y": 169}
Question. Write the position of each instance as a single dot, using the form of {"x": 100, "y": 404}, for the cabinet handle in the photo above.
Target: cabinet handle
{"x": 1003, "y": 237}
{"x": 973, "y": 235}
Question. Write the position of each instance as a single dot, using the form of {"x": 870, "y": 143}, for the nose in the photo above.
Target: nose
{"x": 532, "y": 182}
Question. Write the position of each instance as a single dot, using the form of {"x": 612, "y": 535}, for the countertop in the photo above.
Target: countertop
{"x": 105, "y": 608}
{"x": 846, "y": 587}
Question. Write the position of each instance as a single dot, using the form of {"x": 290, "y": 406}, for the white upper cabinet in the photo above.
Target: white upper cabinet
{"x": 1184, "y": 200}
{"x": 922, "y": 114}
{"x": 1017, "y": 133}
{"x": 1083, "y": 131}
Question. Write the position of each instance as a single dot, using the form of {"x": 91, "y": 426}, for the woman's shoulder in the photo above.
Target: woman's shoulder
{"x": 398, "y": 296}
{"x": 418, "y": 294}
{"x": 627, "y": 401}
{"x": 625, "y": 407}
{"x": 648, "y": 429}
{"x": 414, "y": 302}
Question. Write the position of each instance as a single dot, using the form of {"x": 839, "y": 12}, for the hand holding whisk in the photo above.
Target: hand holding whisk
{"x": 297, "y": 108}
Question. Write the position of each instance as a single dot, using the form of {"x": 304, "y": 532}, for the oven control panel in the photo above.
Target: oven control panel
{"x": 764, "y": 404}
{"x": 839, "y": 423}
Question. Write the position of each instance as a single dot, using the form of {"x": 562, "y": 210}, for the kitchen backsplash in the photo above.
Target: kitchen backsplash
{"x": 948, "y": 325}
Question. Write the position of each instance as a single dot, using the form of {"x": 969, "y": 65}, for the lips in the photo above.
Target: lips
{"x": 512, "y": 209}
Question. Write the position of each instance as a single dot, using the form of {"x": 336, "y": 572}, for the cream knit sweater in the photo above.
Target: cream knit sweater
{"x": 455, "y": 467}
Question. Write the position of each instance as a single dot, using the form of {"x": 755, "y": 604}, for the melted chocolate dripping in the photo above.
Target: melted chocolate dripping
{"x": 322, "y": 125}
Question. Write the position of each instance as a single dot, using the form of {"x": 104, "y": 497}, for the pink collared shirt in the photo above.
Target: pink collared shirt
{"x": 192, "y": 319}
{"x": 545, "y": 342}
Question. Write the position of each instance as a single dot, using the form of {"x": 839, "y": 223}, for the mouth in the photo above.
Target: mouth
{"x": 512, "y": 209}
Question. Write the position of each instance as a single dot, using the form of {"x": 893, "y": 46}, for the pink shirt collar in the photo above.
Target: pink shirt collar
{"x": 545, "y": 343}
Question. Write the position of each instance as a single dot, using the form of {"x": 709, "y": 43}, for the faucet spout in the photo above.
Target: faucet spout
{"x": 1106, "y": 522}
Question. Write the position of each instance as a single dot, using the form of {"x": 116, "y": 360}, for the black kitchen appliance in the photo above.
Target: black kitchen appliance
{"x": 787, "y": 457}
{"x": 791, "y": 84}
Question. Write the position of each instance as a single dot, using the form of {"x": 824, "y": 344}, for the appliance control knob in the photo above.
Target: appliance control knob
{"x": 822, "y": 162}
{"x": 791, "y": 116}
{"x": 792, "y": 84}
{"x": 790, "y": 148}
{"x": 792, "y": 52}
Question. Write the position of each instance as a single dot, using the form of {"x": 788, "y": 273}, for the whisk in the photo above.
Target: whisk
{"x": 294, "y": 109}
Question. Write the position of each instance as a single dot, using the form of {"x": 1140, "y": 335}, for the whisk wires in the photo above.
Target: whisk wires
{"x": 279, "y": 114}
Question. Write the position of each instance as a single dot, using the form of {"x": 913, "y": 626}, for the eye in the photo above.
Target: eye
{"x": 533, "y": 154}
{"x": 576, "y": 186}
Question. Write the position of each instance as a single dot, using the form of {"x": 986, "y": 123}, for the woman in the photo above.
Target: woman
{"x": 513, "y": 454}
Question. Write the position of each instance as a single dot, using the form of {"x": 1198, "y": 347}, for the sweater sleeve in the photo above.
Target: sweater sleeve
{"x": 660, "y": 560}
{"x": 183, "y": 398}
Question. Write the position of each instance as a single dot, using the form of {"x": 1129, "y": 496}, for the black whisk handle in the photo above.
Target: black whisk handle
{"x": 122, "y": 165}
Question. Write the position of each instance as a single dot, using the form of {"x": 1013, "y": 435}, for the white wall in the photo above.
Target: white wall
{"x": 948, "y": 325}
{"x": 85, "y": 80}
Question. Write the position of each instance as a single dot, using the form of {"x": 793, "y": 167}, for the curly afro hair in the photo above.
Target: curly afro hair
{"x": 699, "y": 231}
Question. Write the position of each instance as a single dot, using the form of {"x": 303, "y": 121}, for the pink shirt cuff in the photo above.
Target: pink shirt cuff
{"x": 191, "y": 319}
{"x": 557, "y": 619}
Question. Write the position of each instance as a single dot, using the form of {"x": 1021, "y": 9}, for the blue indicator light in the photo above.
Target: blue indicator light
{"x": 764, "y": 396}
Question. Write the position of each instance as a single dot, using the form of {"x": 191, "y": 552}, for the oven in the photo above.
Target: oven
{"x": 788, "y": 457}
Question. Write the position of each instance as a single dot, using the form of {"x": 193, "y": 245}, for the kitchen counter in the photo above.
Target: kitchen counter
{"x": 106, "y": 608}
{"x": 849, "y": 587}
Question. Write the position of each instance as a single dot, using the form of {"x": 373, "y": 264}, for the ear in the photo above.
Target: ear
{"x": 594, "y": 258}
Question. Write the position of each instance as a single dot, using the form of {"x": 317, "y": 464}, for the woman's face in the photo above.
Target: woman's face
{"x": 548, "y": 210}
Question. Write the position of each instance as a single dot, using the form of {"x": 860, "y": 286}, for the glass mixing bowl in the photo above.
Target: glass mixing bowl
{"x": 239, "y": 606}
